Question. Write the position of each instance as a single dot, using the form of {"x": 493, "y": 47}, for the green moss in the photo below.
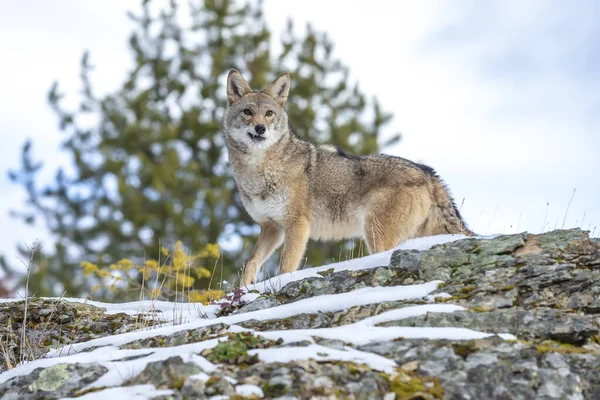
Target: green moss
{"x": 412, "y": 386}
{"x": 354, "y": 370}
{"x": 213, "y": 380}
{"x": 464, "y": 349}
{"x": 507, "y": 288}
{"x": 517, "y": 300}
{"x": 467, "y": 289}
{"x": 453, "y": 270}
{"x": 478, "y": 309}
{"x": 271, "y": 391}
{"x": 561, "y": 348}
{"x": 441, "y": 285}
{"x": 339, "y": 394}
{"x": 551, "y": 346}
{"x": 453, "y": 298}
{"x": 235, "y": 349}
{"x": 286, "y": 323}
{"x": 177, "y": 384}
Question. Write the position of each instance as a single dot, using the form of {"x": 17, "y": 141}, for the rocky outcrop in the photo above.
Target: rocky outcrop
{"x": 54, "y": 323}
{"x": 543, "y": 289}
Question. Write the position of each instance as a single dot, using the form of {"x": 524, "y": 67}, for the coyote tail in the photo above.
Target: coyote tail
{"x": 445, "y": 214}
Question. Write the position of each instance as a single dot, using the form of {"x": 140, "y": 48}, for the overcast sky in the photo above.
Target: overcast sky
{"x": 500, "y": 97}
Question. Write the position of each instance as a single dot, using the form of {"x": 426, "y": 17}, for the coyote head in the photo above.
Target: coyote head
{"x": 256, "y": 118}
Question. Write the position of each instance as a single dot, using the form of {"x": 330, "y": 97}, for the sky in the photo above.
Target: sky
{"x": 500, "y": 97}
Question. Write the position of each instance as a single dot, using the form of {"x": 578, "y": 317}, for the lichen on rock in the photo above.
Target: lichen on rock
{"x": 543, "y": 289}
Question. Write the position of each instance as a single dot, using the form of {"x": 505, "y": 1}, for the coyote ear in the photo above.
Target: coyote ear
{"x": 279, "y": 89}
{"x": 237, "y": 87}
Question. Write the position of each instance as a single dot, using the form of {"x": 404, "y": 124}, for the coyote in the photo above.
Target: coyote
{"x": 296, "y": 190}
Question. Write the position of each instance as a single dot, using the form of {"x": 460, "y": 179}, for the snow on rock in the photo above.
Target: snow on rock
{"x": 361, "y": 331}
{"x": 316, "y": 304}
{"x": 321, "y": 353}
{"x": 169, "y": 311}
{"x": 370, "y": 261}
{"x": 249, "y": 390}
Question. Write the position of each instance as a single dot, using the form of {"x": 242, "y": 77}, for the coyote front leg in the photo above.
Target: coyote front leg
{"x": 270, "y": 238}
{"x": 294, "y": 245}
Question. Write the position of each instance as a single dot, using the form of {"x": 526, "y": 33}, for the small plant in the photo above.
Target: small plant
{"x": 231, "y": 302}
{"x": 235, "y": 349}
{"x": 33, "y": 250}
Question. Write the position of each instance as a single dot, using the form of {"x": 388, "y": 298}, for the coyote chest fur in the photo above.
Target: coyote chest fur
{"x": 296, "y": 190}
{"x": 266, "y": 192}
{"x": 263, "y": 193}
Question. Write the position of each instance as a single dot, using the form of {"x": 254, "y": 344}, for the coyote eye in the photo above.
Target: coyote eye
{"x": 247, "y": 111}
{"x": 269, "y": 113}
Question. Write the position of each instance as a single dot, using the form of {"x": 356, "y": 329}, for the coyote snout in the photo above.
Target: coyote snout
{"x": 296, "y": 190}
{"x": 259, "y": 132}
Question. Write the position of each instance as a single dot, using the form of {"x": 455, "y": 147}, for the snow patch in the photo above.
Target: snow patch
{"x": 371, "y": 261}
{"x": 165, "y": 310}
{"x": 333, "y": 302}
{"x": 128, "y": 363}
{"x": 249, "y": 390}
{"x": 321, "y": 353}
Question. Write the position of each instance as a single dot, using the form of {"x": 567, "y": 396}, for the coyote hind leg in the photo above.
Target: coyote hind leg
{"x": 393, "y": 219}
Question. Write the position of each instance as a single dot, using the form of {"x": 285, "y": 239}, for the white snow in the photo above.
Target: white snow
{"x": 407, "y": 312}
{"x": 123, "y": 364}
{"x": 119, "y": 367}
{"x": 138, "y": 392}
{"x": 365, "y": 331}
{"x": 333, "y": 302}
{"x": 322, "y": 353}
{"x": 249, "y": 390}
{"x": 371, "y": 261}
{"x": 165, "y": 310}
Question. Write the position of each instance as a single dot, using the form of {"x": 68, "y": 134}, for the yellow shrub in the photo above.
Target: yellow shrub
{"x": 205, "y": 296}
{"x": 172, "y": 277}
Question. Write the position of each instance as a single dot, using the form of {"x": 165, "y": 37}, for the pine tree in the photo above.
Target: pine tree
{"x": 153, "y": 168}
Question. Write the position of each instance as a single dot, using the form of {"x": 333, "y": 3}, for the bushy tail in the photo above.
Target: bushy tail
{"x": 444, "y": 217}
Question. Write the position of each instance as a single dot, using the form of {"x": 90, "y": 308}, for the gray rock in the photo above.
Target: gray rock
{"x": 544, "y": 289}
{"x": 60, "y": 380}
{"x": 409, "y": 260}
{"x": 167, "y": 374}
{"x": 539, "y": 324}
{"x": 492, "y": 368}
{"x": 193, "y": 388}
{"x": 218, "y": 384}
